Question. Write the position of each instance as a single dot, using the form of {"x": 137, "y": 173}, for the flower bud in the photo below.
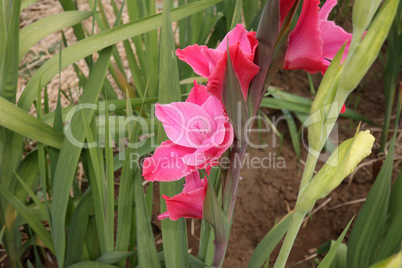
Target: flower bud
{"x": 341, "y": 163}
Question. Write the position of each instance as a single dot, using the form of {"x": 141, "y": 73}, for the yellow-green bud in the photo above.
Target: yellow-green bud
{"x": 341, "y": 163}
{"x": 391, "y": 262}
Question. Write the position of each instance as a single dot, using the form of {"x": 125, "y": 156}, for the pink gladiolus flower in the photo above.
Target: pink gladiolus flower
{"x": 199, "y": 132}
{"x": 315, "y": 40}
{"x": 211, "y": 63}
{"x": 189, "y": 203}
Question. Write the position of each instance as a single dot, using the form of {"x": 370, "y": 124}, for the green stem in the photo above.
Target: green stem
{"x": 290, "y": 238}
{"x": 308, "y": 172}
{"x": 229, "y": 198}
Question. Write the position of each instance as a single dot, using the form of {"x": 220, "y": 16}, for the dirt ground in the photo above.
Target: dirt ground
{"x": 267, "y": 194}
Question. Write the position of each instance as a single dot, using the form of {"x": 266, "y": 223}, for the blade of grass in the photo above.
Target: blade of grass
{"x": 90, "y": 264}
{"x": 294, "y": 135}
{"x": 114, "y": 256}
{"x": 173, "y": 232}
{"x": 100, "y": 41}
{"x": 366, "y": 232}
{"x": 269, "y": 242}
{"x": 326, "y": 262}
{"x": 2, "y": 233}
{"x": 69, "y": 156}
{"x": 236, "y": 14}
{"x": 36, "y": 31}
{"x": 77, "y": 229}
{"x": 29, "y": 217}
{"x": 126, "y": 191}
{"x": 21, "y": 122}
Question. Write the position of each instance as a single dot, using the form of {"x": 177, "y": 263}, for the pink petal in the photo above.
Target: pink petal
{"x": 247, "y": 40}
{"x": 343, "y": 109}
{"x": 209, "y": 154}
{"x": 285, "y": 7}
{"x": 185, "y": 123}
{"x": 326, "y": 9}
{"x": 213, "y": 106}
{"x": 166, "y": 164}
{"x": 198, "y": 94}
{"x": 244, "y": 68}
{"x": 334, "y": 37}
{"x": 308, "y": 64}
{"x": 193, "y": 182}
{"x": 186, "y": 204}
{"x": 194, "y": 56}
{"x": 305, "y": 41}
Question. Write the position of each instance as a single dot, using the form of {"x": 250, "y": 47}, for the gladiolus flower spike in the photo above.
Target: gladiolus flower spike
{"x": 199, "y": 132}
{"x": 189, "y": 203}
{"x": 211, "y": 63}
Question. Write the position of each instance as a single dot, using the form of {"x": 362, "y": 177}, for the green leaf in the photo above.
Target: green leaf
{"x": 147, "y": 255}
{"x": 21, "y": 122}
{"x": 100, "y": 41}
{"x": 233, "y": 100}
{"x": 114, "y": 256}
{"x": 269, "y": 242}
{"x": 69, "y": 155}
{"x": 29, "y": 217}
{"x": 294, "y": 135}
{"x": 370, "y": 223}
{"x": 27, "y": 3}
{"x": 77, "y": 229}
{"x": 173, "y": 232}
{"x": 32, "y": 195}
{"x": 363, "y": 13}
{"x": 391, "y": 242}
{"x": 36, "y": 31}
{"x": 395, "y": 200}
{"x": 214, "y": 215}
{"x": 9, "y": 61}
{"x": 2, "y": 233}
{"x": 391, "y": 262}
{"x": 236, "y": 14}
{"x": 362, "y": 57}
{"x": 326, "y": 262}
{"x": 90, "y": 264}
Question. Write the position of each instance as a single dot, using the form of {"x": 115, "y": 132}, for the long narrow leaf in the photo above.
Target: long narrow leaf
{"x": 70, "y": 153}
{"x": 33, "y": 33}
{"x": 28, "y": 216}
{"x": 100, "y": 41}
{"x": 173, "y": 232}
{"x": 269, "y": 242}
{"x": 326, "y": 262}
{"x": 19, "y": 121}
{"x": 371, "y": 220}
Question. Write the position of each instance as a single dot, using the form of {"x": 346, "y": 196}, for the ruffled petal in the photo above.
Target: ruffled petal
{"x": 193, "y": 182}
{"x": 326, "y": 9}
{"x": 333, "y": 37}
{"x": 307, "y": 64}
{"x": 285, "y": 7}
{"x": 305, "y": 41}
{"x": 166, "y": 164}
{"x": 185, "y": 123}
{"x": 186, "y": 204}
{"x": 195, "y": 57}
{"x": 210, "y": 153}
{"x": 198, "y": 94}
{"x": 247, "y": 40}
{"x": 244, "y": 67}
